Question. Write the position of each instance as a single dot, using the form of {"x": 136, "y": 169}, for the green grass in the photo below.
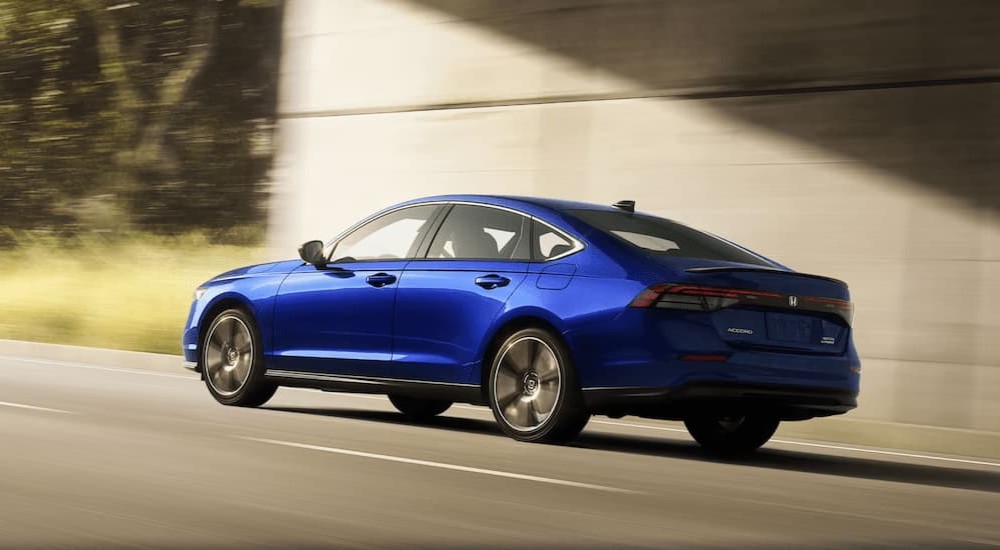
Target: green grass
{"x": 129, "y": 293}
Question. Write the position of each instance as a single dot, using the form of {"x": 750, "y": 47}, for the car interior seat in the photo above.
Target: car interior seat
{"x": 475, "y": 244}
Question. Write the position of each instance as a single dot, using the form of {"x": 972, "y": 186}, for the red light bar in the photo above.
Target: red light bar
{"x": 716, "y": 292}
{"x": 709, "y": 298}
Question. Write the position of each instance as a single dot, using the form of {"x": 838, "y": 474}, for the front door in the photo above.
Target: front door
{"x": 339, "y": 319}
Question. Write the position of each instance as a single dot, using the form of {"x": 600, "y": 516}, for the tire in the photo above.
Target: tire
{"x": 416, "y": 408}
{"x": 726, "y": 433}
{"x": 533, "y": 390}
{"x": 232, "y": 361}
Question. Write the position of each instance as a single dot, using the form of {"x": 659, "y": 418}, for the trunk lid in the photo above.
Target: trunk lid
{"x": 763, "y": 307}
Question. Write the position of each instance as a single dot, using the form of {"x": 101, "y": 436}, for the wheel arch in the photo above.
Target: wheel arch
{"x": 509, "y": 325}
{"x": 217, "y": 306}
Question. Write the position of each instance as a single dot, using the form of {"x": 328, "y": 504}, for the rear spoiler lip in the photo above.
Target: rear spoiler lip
{"x": 722, "y": 269}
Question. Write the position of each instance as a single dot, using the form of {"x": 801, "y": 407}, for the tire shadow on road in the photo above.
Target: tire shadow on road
{"x": 883, "y": 469}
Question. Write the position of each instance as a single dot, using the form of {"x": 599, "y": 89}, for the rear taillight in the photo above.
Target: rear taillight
{"x": 843, "y": 308}
{"x": 710, "y": 298}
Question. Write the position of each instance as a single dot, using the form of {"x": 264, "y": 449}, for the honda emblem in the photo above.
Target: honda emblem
{"x": 793, "y": 301}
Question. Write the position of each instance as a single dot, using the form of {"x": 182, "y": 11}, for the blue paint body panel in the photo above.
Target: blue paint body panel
{"x": 434, "y": 323}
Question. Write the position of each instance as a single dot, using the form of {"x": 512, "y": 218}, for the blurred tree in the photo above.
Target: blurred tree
{"x": 119, "y": 114}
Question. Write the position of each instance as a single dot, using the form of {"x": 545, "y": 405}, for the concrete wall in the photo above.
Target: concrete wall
{"x": 854, "y": 139}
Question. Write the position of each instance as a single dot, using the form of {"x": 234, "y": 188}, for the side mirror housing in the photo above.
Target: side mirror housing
{"x": 312, "y": 253}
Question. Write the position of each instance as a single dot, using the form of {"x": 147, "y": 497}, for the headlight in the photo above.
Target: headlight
{"x": 199, "y": 292}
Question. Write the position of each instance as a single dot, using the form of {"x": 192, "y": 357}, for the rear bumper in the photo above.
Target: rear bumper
{"x": 788, "y": 402}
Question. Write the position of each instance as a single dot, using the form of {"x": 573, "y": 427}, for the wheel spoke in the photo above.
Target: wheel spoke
{"x": 545, "y": 364}
{"x": 549, "y": 377}
{"x": 518, "y": 357}
{"x": 508, "y": 400}
{"x": 518, "y": 413}
{"x": 545, "y": 401}
{"x": 241, "y": 370}
{"x": 215, "y": 340}
{"x": 241, "y": 341}
{"x": 214, "y": 364}
{"x": 541, "y": 412}
{"x": 537, "y": 356}
{"x": 507, "y": 366}
{"x": 230, "y": 378}
{"x": 217, "y": 375}
{"x": 505, "y": 388}
{"x": 530, "y": 413}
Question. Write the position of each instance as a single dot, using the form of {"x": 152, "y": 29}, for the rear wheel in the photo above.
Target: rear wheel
{"x": 731, "y": 433}
{"x": 232, "y": 361}
{"x": 533, "y": 391}
{"x": 417, "y": 408}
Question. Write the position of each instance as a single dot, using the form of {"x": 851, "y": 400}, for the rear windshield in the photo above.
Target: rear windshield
{"x": 664, "y": 237}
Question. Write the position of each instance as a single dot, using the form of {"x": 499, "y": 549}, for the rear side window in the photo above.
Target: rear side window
{"x": 547, "y": 243}
{"x": 481, "y": 233}
{"x": 660, "y": 236}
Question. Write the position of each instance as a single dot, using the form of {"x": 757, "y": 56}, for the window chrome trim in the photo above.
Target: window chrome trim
{"x": 576, "y": 244}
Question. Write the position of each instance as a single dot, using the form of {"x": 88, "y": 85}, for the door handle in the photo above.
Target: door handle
{"x": 379, "y": 280}
{"x": 489, "y": 282}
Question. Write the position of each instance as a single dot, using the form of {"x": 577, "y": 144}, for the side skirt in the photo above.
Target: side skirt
{"x": 456, "y": 393}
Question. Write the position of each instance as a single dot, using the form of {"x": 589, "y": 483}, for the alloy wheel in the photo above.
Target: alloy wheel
{"x": 527, "y": 384}
{"x": 229, "y": 355}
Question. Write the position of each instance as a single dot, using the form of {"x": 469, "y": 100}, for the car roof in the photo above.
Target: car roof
{"x": 516, "y": 201}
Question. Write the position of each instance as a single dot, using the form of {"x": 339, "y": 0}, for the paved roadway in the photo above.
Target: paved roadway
{"x": 101, "y": 457}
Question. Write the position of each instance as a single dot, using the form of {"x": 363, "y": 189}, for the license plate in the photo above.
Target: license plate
{"x": 792, "y": 328}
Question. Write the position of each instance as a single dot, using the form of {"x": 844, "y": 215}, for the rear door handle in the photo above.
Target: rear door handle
{"x": 380, "y": 279}
{"x": 489, "y": 282}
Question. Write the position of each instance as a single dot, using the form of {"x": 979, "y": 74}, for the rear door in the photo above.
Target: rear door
{"x": 447, "y": 300}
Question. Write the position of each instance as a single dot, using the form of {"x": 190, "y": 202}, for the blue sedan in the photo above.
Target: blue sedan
{"x": 547, "y": 311}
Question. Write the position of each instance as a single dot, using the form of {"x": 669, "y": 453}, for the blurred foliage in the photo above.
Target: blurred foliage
{"x": 129, "y": 292}
{"x": 136, "y": 115}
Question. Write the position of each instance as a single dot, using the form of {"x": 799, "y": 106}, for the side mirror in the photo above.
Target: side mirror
{"x": 312, "y": 252}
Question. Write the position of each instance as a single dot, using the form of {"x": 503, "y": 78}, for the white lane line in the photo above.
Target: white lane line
{"x": 442, "y": 465}
{"x": 819, "y": 445}
{"x": 91, "y": 366}
{"x": 646, "y": 426}
{"x": 891, "y": 453}
{"x": 32, "y": 407}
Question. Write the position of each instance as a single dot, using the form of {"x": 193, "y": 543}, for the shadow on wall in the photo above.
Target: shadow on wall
{"x": 908, "y": 87}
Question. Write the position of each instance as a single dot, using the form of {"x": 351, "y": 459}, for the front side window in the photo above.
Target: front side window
{"x": 659, "y": 236}
{"x": 481, "y": 233}
{"x": 393, "y": 236}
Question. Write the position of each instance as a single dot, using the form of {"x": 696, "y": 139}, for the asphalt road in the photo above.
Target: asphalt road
{"x": 101, "y": 457}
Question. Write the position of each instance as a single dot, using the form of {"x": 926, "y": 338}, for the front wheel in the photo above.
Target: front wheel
{"x": 730, "y": 433}
{"x": 232, "y": 361}
{"x": 533, "y": 391}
